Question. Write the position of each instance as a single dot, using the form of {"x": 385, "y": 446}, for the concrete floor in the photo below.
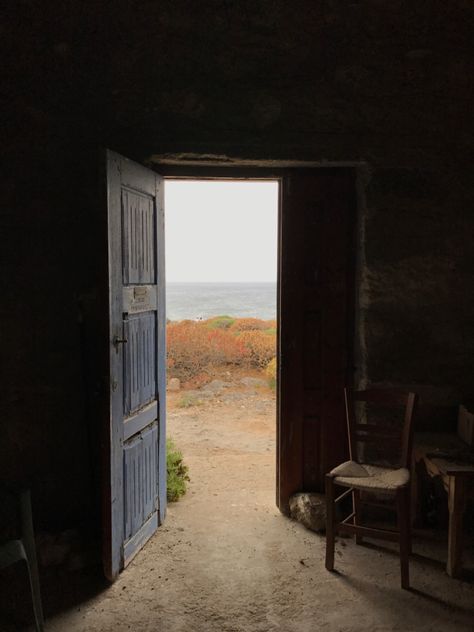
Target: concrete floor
{"x": 227, "y": 561}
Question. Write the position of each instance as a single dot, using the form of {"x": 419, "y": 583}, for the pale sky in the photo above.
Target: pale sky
{"x": 221, "y": 231}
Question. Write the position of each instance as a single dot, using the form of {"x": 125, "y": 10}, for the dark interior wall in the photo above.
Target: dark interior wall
{"x": 384, "y": 83}
{"x": 50, "y": 295}
{"x": 419, "y": 328}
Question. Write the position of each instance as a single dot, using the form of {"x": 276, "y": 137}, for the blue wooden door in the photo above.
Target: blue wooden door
{"x": 135, "y": 490}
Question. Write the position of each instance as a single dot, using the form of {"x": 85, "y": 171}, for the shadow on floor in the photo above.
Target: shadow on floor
{"x": 61, "y": 590}
{"x": 430, "y": 549}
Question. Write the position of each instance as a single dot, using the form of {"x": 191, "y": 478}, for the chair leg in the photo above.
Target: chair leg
{"x": 356, "y": 504}
{"x": 28, "y": 540}
{"x": 36, "y": 597}
{"x": 330, "y": 534}
{"x": 403, "y": 511}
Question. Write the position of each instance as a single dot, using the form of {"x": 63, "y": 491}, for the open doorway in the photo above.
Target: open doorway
{"x": 221, "y": 269}
{"x": 315, "y": 306}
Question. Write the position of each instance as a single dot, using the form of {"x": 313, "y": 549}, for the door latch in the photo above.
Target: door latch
{"x": 118, "y": 341}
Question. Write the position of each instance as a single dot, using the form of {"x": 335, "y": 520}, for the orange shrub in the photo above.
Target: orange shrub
{"x": 261, "y": 347}
{"x": 250, "y": 324}
{"x": 192, "y": 348}
{"x": 188, "y": 351}
{"x": 226, "y": 348}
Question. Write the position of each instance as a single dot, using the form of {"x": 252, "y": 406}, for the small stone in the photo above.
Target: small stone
{"x": 174, "y": 384}
{"x": 309, "y": 509}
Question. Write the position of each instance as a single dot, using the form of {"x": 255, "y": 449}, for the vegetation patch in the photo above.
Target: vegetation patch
{"x": 271, "y": 373}
{"x": 220, "y": 322}
{"x": 177, "y": 472}
{"x": 186, "y": 401}
{"x": 259, "y": 347}
{"x": 197, "y": 348}
{"x": 249, "y": 324}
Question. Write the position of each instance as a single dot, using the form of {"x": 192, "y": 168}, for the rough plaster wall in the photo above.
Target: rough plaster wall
{"x": 419, "y": 277}
{"x": 388, "y": 83}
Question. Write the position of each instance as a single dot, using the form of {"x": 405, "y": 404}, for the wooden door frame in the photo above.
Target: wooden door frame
{"x": 277, "y": 170}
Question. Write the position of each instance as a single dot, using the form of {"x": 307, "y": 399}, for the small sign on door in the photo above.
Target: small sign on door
{"x": 139, "y": 298}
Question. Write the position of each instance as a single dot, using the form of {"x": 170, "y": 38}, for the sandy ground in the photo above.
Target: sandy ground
{"x": 227, "y": 561}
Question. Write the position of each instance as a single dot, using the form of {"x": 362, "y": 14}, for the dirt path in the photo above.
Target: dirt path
{"x": 227, "y": 561}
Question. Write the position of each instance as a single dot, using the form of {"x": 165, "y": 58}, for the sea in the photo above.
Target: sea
{"x": 198, "y": 301}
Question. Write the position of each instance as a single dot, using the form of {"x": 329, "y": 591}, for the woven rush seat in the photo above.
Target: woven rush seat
{"x": 370, "y": 477}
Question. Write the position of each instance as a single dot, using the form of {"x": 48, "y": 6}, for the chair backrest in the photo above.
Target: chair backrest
{"x": 379, "y": 431}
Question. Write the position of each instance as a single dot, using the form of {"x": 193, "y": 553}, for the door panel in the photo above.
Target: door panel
{"x": 139, "y": 367}
{"x": 140, "y": 476}
{"x": 139, "y": 252}
{"x": 135, "y": 500}
{"x": 316, "y": 300}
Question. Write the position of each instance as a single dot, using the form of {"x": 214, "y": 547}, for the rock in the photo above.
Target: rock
{"x": 309, "y": 509}
{"x": 174, "y": 384}
{"x": 253, "y": 381}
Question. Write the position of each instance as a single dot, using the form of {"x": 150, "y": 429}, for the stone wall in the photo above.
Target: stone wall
{"x": 386, "y": 83}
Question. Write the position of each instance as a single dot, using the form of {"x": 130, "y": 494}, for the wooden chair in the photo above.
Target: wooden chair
{"x": 380, "y": 460}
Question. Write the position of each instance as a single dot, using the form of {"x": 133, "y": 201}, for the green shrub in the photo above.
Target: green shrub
{"x": 177, "y": 472}
{"x": 220, "y": 322}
